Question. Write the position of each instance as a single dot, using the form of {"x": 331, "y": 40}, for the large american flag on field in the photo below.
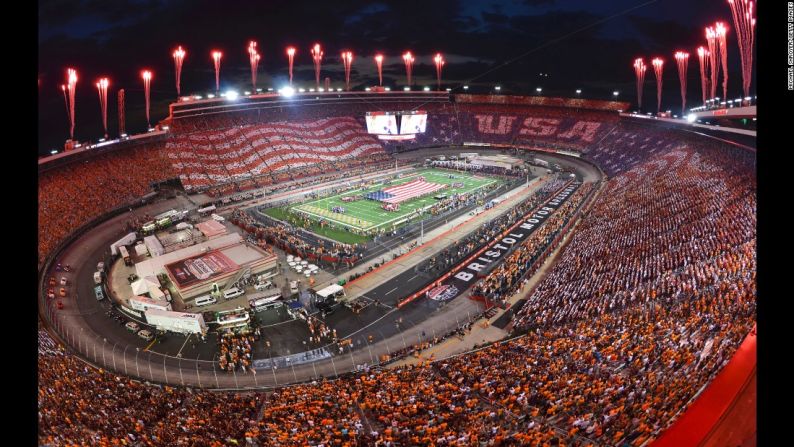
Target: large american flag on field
{"x": 406, "y": 191}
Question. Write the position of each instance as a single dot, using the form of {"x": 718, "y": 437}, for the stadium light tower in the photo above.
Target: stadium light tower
{"x": 578, "y": 91}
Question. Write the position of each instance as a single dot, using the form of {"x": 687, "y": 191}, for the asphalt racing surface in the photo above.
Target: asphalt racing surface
{"x": 379, "y": 328}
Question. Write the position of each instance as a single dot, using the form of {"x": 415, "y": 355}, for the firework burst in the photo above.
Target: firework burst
{"x": 703, "y": 59}
{"x": 253, "y": 58}
{"x": 317, "y": 58}
{"x": 179, "y": 57}
{"x": 439, "y": 60}
{"x": 682, "y": 60}
{"x": 147, "y": 82}
{"x": 409, "y": 65}
{"x": 658, "y": 67}
{"x": 216, "y": 58}
{"x": 639, "y": 72}
{"x": 744, "y": 23}
{"x": 379, "y": 63}
{"x": 347, "y": 60}
{"x": 102, "y": 89}
{"x": 291, "y": 57}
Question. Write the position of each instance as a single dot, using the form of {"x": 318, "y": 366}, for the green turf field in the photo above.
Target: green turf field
{"x": 367, "y": 215}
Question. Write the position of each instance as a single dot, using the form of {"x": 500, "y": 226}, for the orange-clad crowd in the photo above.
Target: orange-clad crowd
{"x": 72, "y": 195}
{"x": 650, "y": 298}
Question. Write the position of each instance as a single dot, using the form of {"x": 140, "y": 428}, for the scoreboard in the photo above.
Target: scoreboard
{"x": 396, "y": 125}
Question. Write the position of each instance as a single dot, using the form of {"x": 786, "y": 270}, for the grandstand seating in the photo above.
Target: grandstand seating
{"x": 242, "y": 152}
{"x": 79, "y": 192}
{"x": 649, "y": 299}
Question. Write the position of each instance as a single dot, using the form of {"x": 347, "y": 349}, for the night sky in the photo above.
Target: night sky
{"x": 559, "y": 45}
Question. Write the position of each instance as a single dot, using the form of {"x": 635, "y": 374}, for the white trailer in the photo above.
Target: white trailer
{"x": 143, "y": 304}
{"x": 181, "y": 322}
{"x": 206, "y": 210}
{"x": 126, "y": 240}
{"x": 258, "y": 300}
{"x": 154, "y": 246}
{"x": 183, "y": 226}
{"x": 539, "y": 162}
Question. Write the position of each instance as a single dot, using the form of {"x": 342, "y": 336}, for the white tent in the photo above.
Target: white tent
{"x": 150, "y": 285}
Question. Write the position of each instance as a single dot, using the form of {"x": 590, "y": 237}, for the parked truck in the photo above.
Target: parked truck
{"x": 181, "y": 322}
{"x": 539, "y": 162}
{"x": 143, "y": 303}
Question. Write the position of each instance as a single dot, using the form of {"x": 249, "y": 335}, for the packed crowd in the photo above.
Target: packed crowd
{"x": 73, "y": 195}
{"x": 269, "y": 151}
{"x": 674, "y": 216}
{"x": 649, "y": 299}
{"x": 489, "y": 230}
{"x": 235, "y": 352}
{"x": 506, "y": 278}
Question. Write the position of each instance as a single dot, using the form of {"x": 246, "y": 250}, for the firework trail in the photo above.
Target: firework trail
{"x": 291, "y": 56}
{"x": 379, "y": 63}
{"x": 122, "y": 119}
{"x": 409, "y": 63}
{"x": 70, "y": 88}
{"x": 744, "y": 22}
{"x": 721, "y": 31}
{"x": 658, "y": 66}
{"x": 639, "y": 71}
{"x": 714, "y": 63}
{"x": 317, "y": 57}
{"x": 439, "y": 60}
{"x": 179, "y": 57}
{"x": 102, "y": 89}
{"x": 66, "y": 103}
{"x": 682, "y": 60}
{"x": 216, "y": 58}
{"x": 147, "y": 80}
{"x": 347, "y": 60}
{"x": 703, "y": 59}
{"x": 253, "y": 58}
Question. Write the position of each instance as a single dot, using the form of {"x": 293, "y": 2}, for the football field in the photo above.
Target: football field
{"x": 365, "y": 215}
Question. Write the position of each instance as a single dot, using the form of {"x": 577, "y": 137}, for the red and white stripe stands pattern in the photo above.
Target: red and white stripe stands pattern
{"x": 412, "y": 189}
{"x": 235, "y": 154}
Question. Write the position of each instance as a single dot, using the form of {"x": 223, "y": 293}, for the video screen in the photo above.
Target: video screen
{"x": 382, "y": 124}
{"x": 413, "y": 123}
